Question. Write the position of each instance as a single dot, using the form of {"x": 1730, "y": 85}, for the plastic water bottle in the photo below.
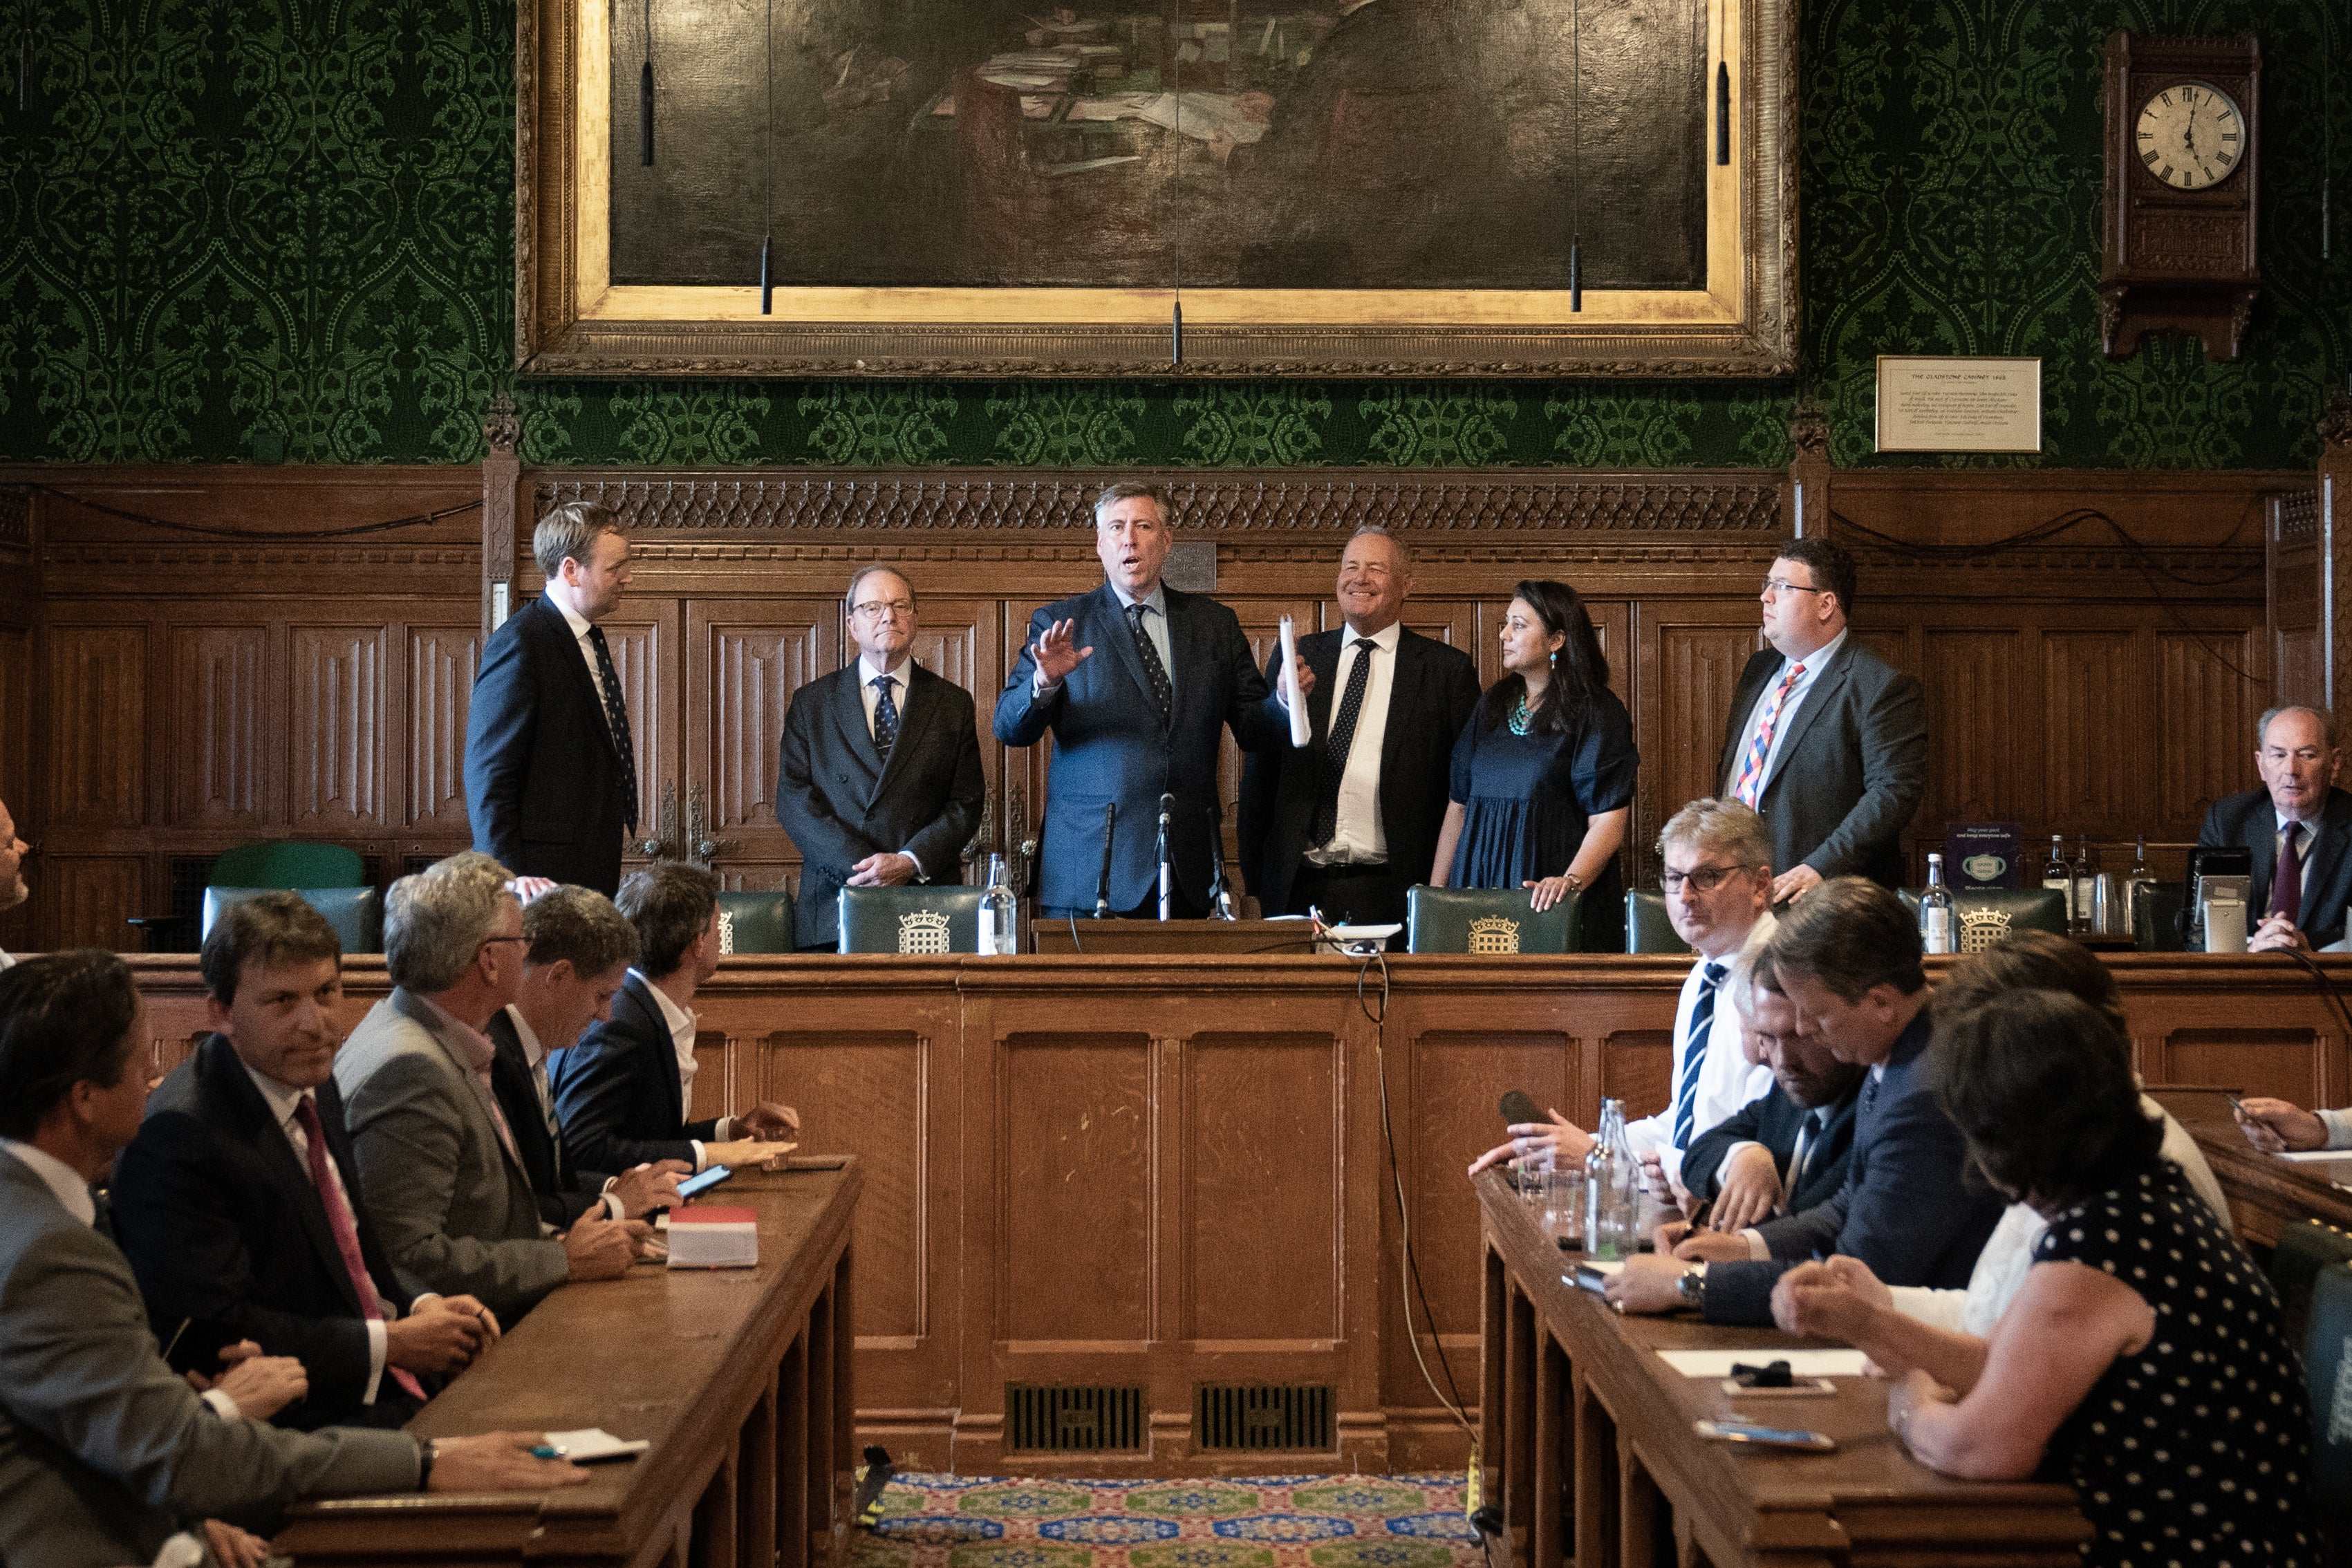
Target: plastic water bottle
{"x": 996, "y": 912}
{"x": 1936, "y": 933}
{"x": 1613, "y": 1189}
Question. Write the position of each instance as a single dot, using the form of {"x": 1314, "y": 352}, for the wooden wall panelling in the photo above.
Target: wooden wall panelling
{"x": 745, "y": 660}
{"x": 221, "y": 707}
{"x": 2291, "y": 587}
{"x": 17, "y": 736}
{"x": 94, "y": 691}
{"x": 443, "y": 656}
{"x": 644, "y": 637}
{"x": 963, "y": 640}
{"x": 1687, "y": 659}
{"x": 79, "y": 899}
{"x": 2205, "y": 711}
{"x": 343, "y": 720}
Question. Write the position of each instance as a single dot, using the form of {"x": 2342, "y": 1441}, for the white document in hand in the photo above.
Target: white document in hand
{"x": 1292, "y": 698}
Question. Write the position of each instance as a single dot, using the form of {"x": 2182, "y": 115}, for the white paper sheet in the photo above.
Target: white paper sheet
{"x": 1801, "y": 1364}
{"x": 2309, "y": 1156}
{"x": 1292, "y": 698}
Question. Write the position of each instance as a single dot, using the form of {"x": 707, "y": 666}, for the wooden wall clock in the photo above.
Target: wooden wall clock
{"x": 2180, "y": 182}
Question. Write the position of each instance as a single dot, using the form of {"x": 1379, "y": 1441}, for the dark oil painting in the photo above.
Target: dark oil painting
{"x": 1372, "y": 145}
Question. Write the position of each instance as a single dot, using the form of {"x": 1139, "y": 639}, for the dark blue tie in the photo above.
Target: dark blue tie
{"x": 1162, "y": 692}
{"x": 886, "y": 716}
{"x": 616, "y": 719}
{"x": 1695, "y": 1051}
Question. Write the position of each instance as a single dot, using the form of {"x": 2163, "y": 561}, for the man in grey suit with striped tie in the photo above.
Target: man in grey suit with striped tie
{"x": 1717, "y": 878}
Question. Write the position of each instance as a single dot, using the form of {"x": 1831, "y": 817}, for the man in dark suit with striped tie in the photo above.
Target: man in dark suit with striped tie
{"x": 879, "y": 776}
{"x": 551, "y": 771}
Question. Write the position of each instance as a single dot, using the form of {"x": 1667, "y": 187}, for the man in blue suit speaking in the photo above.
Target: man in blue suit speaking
{"x": 1134, "y": 680}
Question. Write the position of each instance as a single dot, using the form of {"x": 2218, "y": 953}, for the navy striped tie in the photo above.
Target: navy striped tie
{"x": 1695, "y": 1051}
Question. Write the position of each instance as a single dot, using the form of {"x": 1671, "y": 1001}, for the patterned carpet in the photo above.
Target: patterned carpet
{"x": 1249, "y": 1522}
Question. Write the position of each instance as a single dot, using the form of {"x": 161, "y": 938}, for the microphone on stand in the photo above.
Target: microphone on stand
{"x": 1221, "y": 894}
{"x": 1166, "y": 803}
{"x": 1102, "y": 882}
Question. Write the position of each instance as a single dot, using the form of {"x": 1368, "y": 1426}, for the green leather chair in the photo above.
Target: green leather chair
{"x": 1487, "y": 921}
{"x": 921, "y": 920}
{"x": 2156, "y": 923}
{"x": 2327, "y": 1363}
{"x": 756, "y": 922}
{"x": 1648, "y": 929}
{"x": 356, "y": 913}
{"x": 2304, "y": 1253}
{"x": 283, "y": 863}
{"x": 1987, "y": 915}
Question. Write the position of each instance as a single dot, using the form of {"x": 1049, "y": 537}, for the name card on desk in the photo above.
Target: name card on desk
{"x": 714, "y": 1237}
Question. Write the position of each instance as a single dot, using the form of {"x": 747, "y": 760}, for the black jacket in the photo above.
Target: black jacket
{"x": 841, "y": 803}
{"x": 226, "y": 1233}
{"x": 1852, "y": 766}
{"x": 563, "y": 1193}
{"x": 1773, "y": 1120}
{"x": 2251, "y": 820}
{"x": 1432, "y": 695}
{"x": 544, "y": 788}
{"x": 616, "y": 1091}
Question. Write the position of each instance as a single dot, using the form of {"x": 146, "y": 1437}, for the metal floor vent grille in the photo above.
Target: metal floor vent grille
{"x": 1262, "y": 1415}
{"x": 1073, "y": 1418}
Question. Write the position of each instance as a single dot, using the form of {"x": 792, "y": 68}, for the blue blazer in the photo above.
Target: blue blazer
{"x": 2251, "y": 820}
{"x": 226, "y": 1233}
{"x": 616, "y": 1091}
{"x": 544, "y": 788}
{"x": 1912, "y": 1207}
{"x": 1109, "y": 745}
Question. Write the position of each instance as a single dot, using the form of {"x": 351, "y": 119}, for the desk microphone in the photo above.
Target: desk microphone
{"x": 1221, "y": 895}
{"x": 1102, "y": 883}
{"x": 1166, "y": 803}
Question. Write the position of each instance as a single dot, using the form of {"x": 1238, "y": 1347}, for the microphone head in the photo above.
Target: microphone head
{"x": 1518, "y": 1108}
{"x": 1167, "y": 803}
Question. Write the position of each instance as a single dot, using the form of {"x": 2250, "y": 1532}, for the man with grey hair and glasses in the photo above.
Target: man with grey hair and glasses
{"x": 879, "y": 776}
{"x": 2298, "y": 826}
{"x": 438, "y": 1163}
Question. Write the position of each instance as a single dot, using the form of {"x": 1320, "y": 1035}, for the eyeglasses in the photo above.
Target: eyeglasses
{"x": 1783, "y": 585}
{"x": 877, "y": 609}
{"x": 1702, "y": 878}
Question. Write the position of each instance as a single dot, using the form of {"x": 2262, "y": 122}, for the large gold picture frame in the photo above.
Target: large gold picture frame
{"x": 571, "y": 320}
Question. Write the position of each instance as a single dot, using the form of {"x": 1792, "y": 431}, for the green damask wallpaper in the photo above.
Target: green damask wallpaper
{"x": 264, "y": 230}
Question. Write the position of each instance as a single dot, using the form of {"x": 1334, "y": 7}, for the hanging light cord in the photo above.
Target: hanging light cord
{"x": 1172, "y": 185}
{"x": 768, "y": 179}
{"x": 1576, "y": 157}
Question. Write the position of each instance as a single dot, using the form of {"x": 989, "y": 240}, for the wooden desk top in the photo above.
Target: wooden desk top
{"x": 1869, "y": 1500}
{"x": 1091, "y": 937}
{"x": 2268, "y": 1194}
{"x": 674, "y": 1356}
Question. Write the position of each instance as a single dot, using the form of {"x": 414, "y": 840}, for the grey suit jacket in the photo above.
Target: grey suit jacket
{"x": 454, "y": 1209}
{"x": 104, "y": 1451}
{"x": 1851, "y": 768}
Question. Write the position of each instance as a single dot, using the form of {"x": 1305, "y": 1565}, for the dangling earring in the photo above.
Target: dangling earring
{"x": 1555, "y": 658}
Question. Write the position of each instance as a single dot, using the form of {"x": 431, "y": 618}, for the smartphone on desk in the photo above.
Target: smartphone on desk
{"x": 1770, "y": 1437}
{"x": 703, "y": 1182}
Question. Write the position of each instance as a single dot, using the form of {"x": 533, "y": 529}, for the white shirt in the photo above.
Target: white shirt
{"x": 2008, "y": 1256}
{"x": 580, "y": 627}
{"x": 73, "y": 1192}
{"x": 681, "y": 1040}
{"x": 1814, "y": 663}
{"x": 1726, "y": 1080}
{"x": 1360, "y": 840}
{"x": 534, "y": 1053}
{"x": 2339, "y": 1128}
{"x": 285, "y": 1103}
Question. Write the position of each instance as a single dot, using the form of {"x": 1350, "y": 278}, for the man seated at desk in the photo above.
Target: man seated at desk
{"x": 1847, "y": 956}
{"x": 623, "y": 1091}
{"x": 438, "y": 1164}
{"x": 2278, "y": 1127}
{"x": 1718, "y": 879}
{"x": 2298, "y": 827}
{"x": 105, "y": 1452}
{"x": 238, "y": 1203}
{"x": 577, "y": 954}
{"x": 1788, "y": 1151}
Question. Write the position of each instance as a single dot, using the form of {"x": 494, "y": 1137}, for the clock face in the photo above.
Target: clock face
{"x": 2190, "y": 135}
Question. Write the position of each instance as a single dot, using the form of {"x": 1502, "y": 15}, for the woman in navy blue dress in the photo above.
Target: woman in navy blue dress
{"x": 1543, "y": 773}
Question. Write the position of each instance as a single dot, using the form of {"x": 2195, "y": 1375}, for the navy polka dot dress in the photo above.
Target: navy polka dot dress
{"x": 2197, "y": 1448}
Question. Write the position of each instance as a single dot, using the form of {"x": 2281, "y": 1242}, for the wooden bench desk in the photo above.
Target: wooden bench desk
{"x": 741, "y": 1379}
{"x": 1586, "y": 1444}
{"x": 2268, "y": 1194}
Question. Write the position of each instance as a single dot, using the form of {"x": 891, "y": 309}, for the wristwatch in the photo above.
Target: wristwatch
{"x": 1575, "y": 883}
{"x": 1691, "y": 1286}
